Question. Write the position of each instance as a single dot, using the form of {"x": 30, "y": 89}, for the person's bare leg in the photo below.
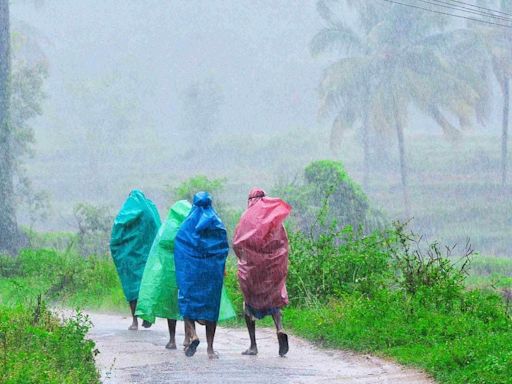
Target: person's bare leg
{"x": 282, "y": 337}
{"x": 251, "y": 327}
{"x": 135, "y": 323}
{"x": 188, "y": 332}
{"x": 211, "y": 326}
{"x": 171, "y": 324}
{"x": 190, "y": 350}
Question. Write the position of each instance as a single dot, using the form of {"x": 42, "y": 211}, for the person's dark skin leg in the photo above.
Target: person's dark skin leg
{"x": 282, "y": 337}
{"x": 190, "y": 350}
{"x": 211, "y": 326}
{"x": 135, "y": 323}
{"x": 188, "y": 332}
{"x": 251, "y": 327}
{"x": 171, "y": 324}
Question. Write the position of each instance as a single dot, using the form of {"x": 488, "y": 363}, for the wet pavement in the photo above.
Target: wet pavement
{"x": 140, "y": 357}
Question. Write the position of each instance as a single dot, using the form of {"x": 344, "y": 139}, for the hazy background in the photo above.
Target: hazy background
{"x": 118, "y": 115}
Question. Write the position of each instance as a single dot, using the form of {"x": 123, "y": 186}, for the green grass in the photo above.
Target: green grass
{"x": 64, "y": 278}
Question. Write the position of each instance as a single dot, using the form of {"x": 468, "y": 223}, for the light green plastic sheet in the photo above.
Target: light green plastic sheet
{"x": 158, "y": 295}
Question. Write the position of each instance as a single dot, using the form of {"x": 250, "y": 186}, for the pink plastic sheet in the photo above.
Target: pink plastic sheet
{"x": 261, "y": 245}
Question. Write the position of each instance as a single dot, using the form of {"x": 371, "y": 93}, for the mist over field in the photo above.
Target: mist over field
{"x": 147, "y": 94}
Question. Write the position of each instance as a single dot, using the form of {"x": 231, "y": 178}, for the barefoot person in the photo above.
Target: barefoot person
{"x": 261, "y": 245}
{"x": 200, "y": 252}
{"x": 158, "y": 294}
{"x": 134, "y": 230}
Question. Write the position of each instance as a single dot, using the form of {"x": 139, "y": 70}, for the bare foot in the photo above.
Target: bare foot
{"x": 171, "y": 345}
{"x": 133, "y": 327}
{"x": 191, "y": 349}
{"x": 212, "y": 355}
{"x": 283, "y": 343}
{"x": 186, "y": 342}
{"x": 252, "y": 351}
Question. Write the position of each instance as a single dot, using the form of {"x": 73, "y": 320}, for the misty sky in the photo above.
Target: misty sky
{"x": 256, "y": 51}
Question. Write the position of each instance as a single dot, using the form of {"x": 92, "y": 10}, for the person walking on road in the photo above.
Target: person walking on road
{"x": 200, "y": 252}
{"x": 261, "y": 246}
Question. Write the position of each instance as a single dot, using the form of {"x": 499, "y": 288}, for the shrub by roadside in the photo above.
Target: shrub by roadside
{"x": 37, "y": 348}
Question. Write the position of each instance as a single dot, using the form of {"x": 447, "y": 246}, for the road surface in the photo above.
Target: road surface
{"x": 140, "y": 357}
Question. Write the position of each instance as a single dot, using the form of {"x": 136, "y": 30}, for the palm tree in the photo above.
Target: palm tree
{"x": 8, "y": 225}
{"x": 393, "y": 59}
{"x": 498, "y": 43}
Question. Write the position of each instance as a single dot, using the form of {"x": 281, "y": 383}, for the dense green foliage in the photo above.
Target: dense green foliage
{"x": 38, "y": 348}
{"x": 328, "y": 196}
{"x": 336, "y": 263}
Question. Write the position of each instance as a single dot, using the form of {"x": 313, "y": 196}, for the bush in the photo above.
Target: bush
{"x": 423, "y": 267}
{"x": 35, "y": 347}
{"x": 336, "y": 263}
{"x": 328, "y": 196}
{"x": 94, "y": 229}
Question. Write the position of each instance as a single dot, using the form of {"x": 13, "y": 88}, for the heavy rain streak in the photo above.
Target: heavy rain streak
{"x": 255, "y": 191}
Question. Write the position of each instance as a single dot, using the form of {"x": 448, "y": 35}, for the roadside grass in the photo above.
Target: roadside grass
{"x": 454, "y": 347}
{"x": 61, "y": 277}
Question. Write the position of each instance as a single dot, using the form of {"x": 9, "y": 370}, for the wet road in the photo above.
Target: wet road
{"x": 140, "y": 357}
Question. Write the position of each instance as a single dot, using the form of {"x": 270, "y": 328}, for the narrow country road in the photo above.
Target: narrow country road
{"x": 140, "y": 357}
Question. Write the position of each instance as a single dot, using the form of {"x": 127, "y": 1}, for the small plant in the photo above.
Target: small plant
{"x": 419, "y": 266}
{"x": 94, "y": 226}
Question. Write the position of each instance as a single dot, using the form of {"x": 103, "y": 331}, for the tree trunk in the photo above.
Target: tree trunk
{"x": 366, "y": 150}
{"x": 449, "y": 130}
{"x": 504, "y": 134}
{"x": 8, "y": 225}
{"x": 403, "y": 166}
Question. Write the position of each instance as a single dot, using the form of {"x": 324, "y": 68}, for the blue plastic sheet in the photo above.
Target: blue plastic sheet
{"x": 134, "y": 230}
{"x": 200, "y": 251}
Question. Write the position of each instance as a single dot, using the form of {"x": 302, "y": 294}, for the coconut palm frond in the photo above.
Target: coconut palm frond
{"x": 335, "y": 38}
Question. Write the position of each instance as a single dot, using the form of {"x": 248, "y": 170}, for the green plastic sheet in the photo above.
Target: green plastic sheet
{"x": 134, "y": 230}
{"x": 158, "y": 295}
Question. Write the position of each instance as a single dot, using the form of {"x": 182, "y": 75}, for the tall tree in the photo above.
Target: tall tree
{"x": 498, "y": 43}
{"x": 392, "y": 59}
{"x": 8, "y": 225}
